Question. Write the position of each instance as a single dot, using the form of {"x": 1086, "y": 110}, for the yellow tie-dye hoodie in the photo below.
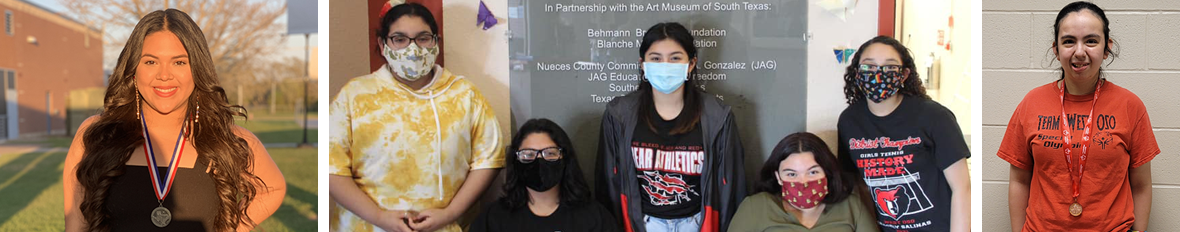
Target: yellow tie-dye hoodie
{"x": 410, "y": 149}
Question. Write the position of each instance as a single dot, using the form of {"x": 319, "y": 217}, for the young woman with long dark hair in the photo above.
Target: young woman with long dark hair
{"x": 165, "y": 154}
{"x": 907, "y": 148}
{"x": 670, "y": 157}
{"x": 544, "y": 188}
{"x": 803, "y": 189}
{"x": 1080, "y": 148}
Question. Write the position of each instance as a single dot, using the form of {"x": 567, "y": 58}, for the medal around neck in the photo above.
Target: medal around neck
{"x": 1075, "y": 209}
{"x": 161, "y": 216}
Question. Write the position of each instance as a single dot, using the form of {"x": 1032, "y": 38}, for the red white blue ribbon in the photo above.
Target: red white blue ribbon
{"x": 161, "y": 188}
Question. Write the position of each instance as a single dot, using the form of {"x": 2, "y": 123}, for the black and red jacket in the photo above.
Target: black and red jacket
{"x": 723, "y": 179}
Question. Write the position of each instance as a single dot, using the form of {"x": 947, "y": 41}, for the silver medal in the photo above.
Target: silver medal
{"x": 162, "y": 185}
{"x": 161, "y": 216}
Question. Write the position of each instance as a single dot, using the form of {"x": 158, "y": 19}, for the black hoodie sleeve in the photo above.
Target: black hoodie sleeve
{"x": 605, "y": 162}
{"x": 734, "y": 173}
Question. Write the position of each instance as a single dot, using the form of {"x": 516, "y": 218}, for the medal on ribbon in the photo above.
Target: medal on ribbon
{"x": 1075, "y": 209}
{"x": 161, "y": 216}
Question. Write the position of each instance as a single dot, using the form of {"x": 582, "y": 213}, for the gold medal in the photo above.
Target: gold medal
{"x": 1075, "y": 209}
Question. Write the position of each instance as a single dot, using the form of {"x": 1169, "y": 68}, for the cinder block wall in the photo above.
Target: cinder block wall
{"x": 1016, "y": 58}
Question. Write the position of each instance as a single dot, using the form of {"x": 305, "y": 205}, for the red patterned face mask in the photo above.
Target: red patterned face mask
{"x": 805, "y": 195}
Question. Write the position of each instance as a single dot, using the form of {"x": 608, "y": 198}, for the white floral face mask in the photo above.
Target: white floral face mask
{"x": 410, "y": 63}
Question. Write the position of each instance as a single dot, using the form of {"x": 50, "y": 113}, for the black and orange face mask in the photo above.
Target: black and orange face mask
{"x": 880, "y": 84}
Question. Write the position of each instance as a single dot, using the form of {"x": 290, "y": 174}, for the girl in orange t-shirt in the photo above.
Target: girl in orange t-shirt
{"x": 1080, "y": 147}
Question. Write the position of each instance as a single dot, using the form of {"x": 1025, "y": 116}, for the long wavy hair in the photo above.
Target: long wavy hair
{"x": 111, "y": 139}
{"x": 911, "y": 87}
{"x": 574, "y": 190}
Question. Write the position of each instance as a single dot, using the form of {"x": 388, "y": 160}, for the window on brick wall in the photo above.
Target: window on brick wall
{"x": 3, "y": 80}
{"x": 3, "y": 98}
{"x": 11, "y": 80}
{"x": 8, "y": 22}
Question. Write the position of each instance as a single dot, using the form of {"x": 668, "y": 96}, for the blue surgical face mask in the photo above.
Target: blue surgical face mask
{"x": 665, "y": 77}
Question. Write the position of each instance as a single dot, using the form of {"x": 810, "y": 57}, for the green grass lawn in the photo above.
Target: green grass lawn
{"x": 300, "y": 207}
{"x": 31, "y": 186}
{"x": 281, "y": 114}
{"x": 278, "y": 128}
{"x": 32, "y": 199}
{"x": 51, "y": 141}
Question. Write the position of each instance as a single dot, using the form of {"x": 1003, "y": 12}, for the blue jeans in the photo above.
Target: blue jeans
{"x": 688, "y": 224}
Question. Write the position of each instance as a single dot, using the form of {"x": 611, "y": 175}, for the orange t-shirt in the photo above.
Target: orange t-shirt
{"x": 1121, "y": 138}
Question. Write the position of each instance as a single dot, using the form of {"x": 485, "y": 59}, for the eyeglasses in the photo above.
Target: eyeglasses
{"x": 402, "y": 41}
{"x": 874, "y": 68}
{"x": 528, "y": 155}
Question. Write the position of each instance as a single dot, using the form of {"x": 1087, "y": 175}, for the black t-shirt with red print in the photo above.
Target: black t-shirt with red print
{"x": 668, "y": 168}
{"x": 901, "y": 158}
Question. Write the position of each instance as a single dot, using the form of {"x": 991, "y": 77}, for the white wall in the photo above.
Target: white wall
{"x": 922, "y": 20}
{"x": 1017, "y": 35}
{"x": 479, "y": 55}
{"x": 350, "y": 55}
{"x": 825, "y": 96}
{"x": 825, "y": 77}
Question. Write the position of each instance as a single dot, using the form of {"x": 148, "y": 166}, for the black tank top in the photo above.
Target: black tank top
{"x": 193, "y": 199}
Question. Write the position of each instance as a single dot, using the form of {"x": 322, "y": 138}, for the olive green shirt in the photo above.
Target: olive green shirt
{"x": 764, "y": 212}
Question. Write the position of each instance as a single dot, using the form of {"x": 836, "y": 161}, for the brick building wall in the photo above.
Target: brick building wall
{"x": 50, "y": 55}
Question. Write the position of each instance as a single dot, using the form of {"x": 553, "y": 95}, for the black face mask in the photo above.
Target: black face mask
{"x": 541, "y": 175}
{"x": 880, "y": 85}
